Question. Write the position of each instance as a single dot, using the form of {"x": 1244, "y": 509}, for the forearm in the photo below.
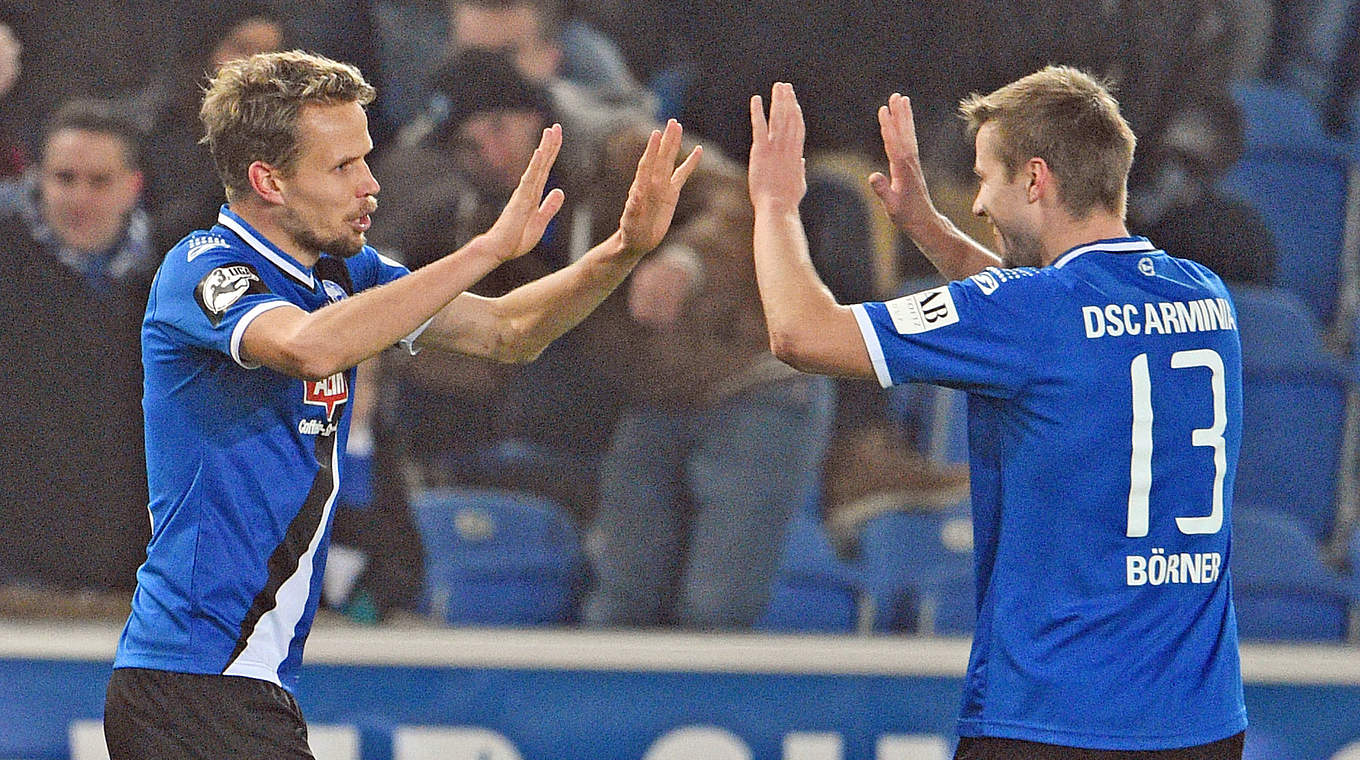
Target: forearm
{"x": 343, "y": 334}
{"x": 808, "y": 329}
{"x": 949, "y": 249}
{"x": 539, "y": 312}
{"x": 791, "y": 291}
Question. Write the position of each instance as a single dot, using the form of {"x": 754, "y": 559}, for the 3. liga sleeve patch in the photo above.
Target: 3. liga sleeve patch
{"x": 224, "y": 286}
{"x": 920, "y": 312}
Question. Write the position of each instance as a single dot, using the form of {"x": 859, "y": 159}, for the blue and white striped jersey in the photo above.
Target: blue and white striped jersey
{"x": 1104, "y": 420}
{"x": 242, "y": 461}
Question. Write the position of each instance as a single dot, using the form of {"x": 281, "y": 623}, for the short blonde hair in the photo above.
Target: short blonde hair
{"x": 1069, "y": 119}
{"x": 251, "y": 106}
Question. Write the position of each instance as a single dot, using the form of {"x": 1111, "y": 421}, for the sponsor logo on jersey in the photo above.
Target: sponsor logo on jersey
{"x": 1146, "y": 266}
{"x": 224, "y": 286}
{"x": 328, "y": 393}
{"x": 311, "y": 426}
{"x": 203, "y": 243}
{"x": 991, "y": 278}
{"x": 919, "y": 312}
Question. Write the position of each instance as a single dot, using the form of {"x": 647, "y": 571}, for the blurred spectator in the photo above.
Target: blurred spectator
{"x": 438, "y": 193}
{"x": 346, "y": 30}
{"x": 183, "y": 190}
{"x": 12, "y": 159}
{"x": 872, "y": 462}
{"x": 77, "y": 261}
{"x": 1179, "y": 206}
{"x": 1339, "y": 101}
{"x": 719, "y": 442}
{"x": 537, "y": 37}
{"x": 92, "y": 48}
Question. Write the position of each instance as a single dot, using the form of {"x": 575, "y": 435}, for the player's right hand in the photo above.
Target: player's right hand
{"x": 527, "y": 213}
{"x": 776, "y": 174}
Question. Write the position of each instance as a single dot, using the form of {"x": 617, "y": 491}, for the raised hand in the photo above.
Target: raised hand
{"x": 903, "y": 192}
{"x": 656, "y": 188}
{"x": 526, "y": 215}
{"x": 776, "y": 175}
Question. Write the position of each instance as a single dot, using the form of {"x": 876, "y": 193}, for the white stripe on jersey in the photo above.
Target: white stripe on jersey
{"x": 288, "y": 267}
{"x": 267, "y": 647}
{"x": 870, "y": 335}
{"x": 239, "y": 332}
{"x": 1113, "y": 246}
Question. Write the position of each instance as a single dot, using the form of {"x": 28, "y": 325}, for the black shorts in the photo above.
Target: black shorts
{"x": 991, "y": 748}
{"x": 183, "y": 716}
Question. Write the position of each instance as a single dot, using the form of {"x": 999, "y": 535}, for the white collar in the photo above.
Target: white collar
{"x": 236, "y": 224}
{"x": 1113, "y": 245}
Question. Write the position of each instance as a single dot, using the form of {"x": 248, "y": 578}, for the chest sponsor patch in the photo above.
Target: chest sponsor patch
{"x": 329, "y": 393}
{"x": 224, "y": 286}
{"x": 919, "y": 312}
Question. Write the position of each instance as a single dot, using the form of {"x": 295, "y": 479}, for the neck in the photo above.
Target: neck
{"x": 1071, "y": 233}
{"x": 265, "y": 220}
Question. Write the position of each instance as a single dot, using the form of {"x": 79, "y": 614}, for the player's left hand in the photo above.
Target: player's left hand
{"x": 526, "y": 215}
{"x": 777, "y": 174}
{"x": 656, "y": 187}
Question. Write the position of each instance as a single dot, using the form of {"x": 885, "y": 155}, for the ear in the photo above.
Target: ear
{"x": 1041, "y": 179}
{"x": 267, "y": 182}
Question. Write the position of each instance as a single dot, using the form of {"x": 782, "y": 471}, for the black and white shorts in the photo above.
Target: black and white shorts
{"x": 185, "y": 716}
{"x": 991, "y": 748}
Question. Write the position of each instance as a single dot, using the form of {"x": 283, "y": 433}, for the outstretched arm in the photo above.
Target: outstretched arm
{"x": 808, "y": 329}
{"x": 520, "y": 324}
{"x": 907, "y": 200}
{"x": 334, "y": 338}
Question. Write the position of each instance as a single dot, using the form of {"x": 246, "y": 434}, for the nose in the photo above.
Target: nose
{"x": 978, "y": 210}
{"x": 369, "y": 184}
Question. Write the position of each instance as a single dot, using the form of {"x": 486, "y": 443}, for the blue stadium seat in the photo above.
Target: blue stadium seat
{"x": 814, "y": 591}
{"x": 1296, "y": 177}
{"x": 1281, "y": 587}
{"x": 495, "y": 557}
{"x": 1293, "y": 406}
{"x": 905, "y": 557}
{"x": 936, "y": 417}
{"x": 954, "y": 599}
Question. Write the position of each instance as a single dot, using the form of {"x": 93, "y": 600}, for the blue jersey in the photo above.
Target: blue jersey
{"x": 242, "y": 461}
{"x": 1104, "y": 421}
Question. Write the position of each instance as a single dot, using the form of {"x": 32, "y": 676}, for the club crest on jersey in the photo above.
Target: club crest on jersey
{"x": 329, "y": 393}
{"x": 224, "y": 286}
{"x": 334, "y": 291}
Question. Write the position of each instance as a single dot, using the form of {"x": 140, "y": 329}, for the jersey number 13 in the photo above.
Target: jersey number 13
{"x": 1140, "y": 466}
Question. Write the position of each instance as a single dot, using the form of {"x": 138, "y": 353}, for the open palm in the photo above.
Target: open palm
{"x": 656, "y": 187}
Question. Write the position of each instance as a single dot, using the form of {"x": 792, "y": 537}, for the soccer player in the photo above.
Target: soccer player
{"x": 1104, "y": 419}
{"x": 251, "y": 334}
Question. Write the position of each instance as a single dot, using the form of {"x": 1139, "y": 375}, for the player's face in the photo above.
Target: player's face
{"x": 1005, "y": 202}
{"x": 329, "y": 193}
{"x": 87, "y": 187}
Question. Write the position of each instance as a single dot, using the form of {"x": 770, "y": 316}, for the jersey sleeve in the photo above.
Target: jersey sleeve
{"x": 210, "y": 300}
{"x": 981, "y": 334}
{"x": 371, "y": 269}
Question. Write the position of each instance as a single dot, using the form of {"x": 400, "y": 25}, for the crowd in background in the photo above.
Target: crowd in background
{"x": 662, "y": 424}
